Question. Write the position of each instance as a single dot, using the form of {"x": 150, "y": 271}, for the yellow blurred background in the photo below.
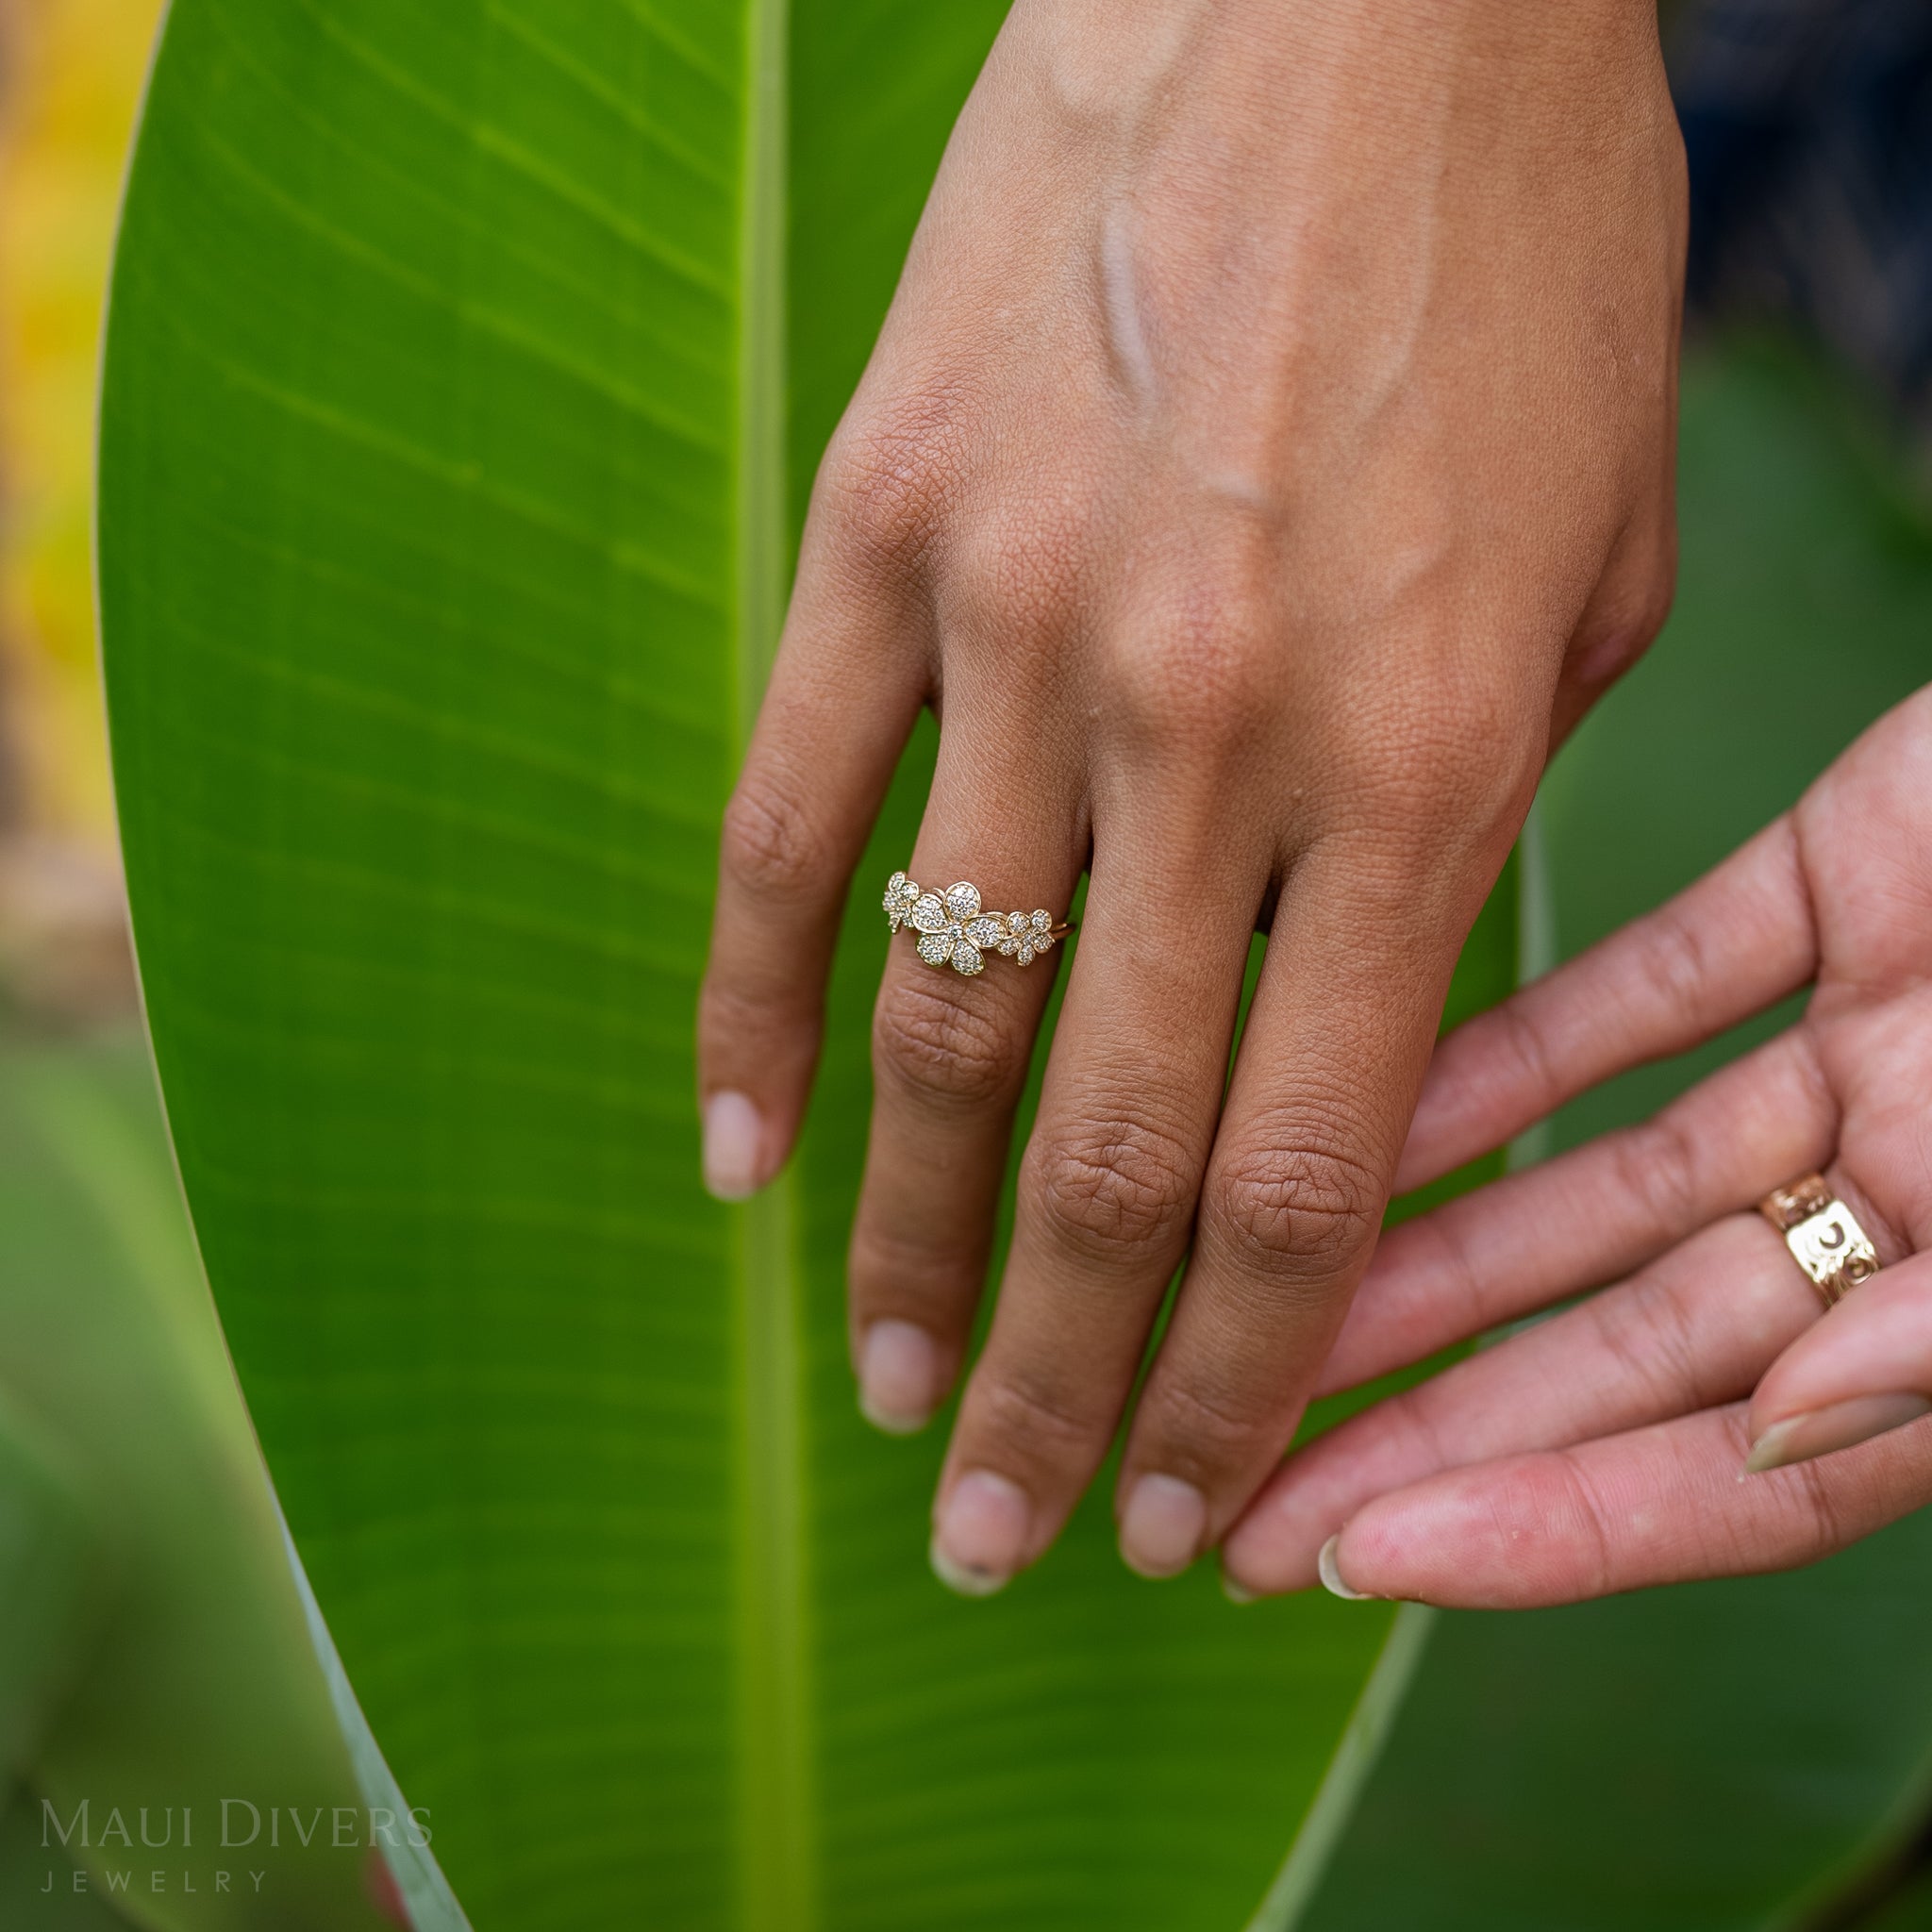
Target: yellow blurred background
{"x": 70, "y": 73}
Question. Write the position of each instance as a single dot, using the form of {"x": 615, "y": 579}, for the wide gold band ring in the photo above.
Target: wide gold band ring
{"x": 954, "y": 931}
{"x": 1822, "y": 1234}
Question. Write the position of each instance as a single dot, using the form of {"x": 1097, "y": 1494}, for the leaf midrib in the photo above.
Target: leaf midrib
{"x": 775, "y": 1843}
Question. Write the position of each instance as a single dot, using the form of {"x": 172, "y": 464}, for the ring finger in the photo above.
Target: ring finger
{"x": 950, "y": 1053}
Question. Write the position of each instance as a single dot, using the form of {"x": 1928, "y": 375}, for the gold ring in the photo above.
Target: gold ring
{"x": 1822, "y": 1234}
{"x": 952, "y": 931}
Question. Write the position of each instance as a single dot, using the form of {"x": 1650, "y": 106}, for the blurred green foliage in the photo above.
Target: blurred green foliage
{"x": 151, "y": 1651}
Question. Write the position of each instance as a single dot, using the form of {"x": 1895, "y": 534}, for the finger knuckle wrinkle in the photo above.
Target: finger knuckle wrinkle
{"x": 1115, "y": 1185}
{"x": 915, "y": 1268}
{"x": 768, "y": 844}
{"x": 1527, "y": 1044}
{"x": 1204, "y": 1429}
{"x": 943, "y": 1044}
{"x": 1646, "y": 1332}
{"x": 1656, "y": 1163}
{"x": 1679, "y": 965}
{"x": 1017, "y": 1410}
{"x": 1299, "y": 1209}
{"x": 1555, "y": 1490}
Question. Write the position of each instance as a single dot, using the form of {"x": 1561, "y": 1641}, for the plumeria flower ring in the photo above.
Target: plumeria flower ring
{"x": 954, "y": 931}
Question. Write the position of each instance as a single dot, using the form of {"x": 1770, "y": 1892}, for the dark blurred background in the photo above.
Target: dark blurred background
{"x": 1809, "y": 128}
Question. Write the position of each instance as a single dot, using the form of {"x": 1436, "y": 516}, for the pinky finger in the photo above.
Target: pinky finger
{"x": 1661, "y": 1505}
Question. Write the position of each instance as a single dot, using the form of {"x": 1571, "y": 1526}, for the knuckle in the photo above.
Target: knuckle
{"x": 1200, "y": 1429}
{"x": 1451, "y": 754}
{"x": 1109, "y": 1187}
{"x": 1195, "y": 669}
{"x": 942, "y": 1045}
{"x": 1629, "y": 623}
{"x": 754, "y": 1024}
{"x": 1013, "y": 572}
{"x": 1527, "y": 1046}
{"x": 1053, "y": 1426}
{"x": 889, "y": 475}
{"x": 1656, "y": 1165}
{"x": 767, "y": 846}
{"x": 1679, "y": 965}
{"x": 1300, "y": 1210}
{"x": 1550, "y": 1505}
{"x": 917, "y": 1270}
{"x": 1428, "y": 781}
{"x": 1647, "y": 1333}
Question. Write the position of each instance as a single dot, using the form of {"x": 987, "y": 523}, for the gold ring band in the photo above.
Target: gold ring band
{"x": 952, "y": 931}
{"x": 1822, "y": 1234}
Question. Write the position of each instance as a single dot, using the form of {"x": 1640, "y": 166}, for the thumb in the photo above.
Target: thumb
{"x": 1865, "y": 1368}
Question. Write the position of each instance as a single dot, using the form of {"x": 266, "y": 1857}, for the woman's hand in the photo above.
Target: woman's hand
{"x": 1268, "y": 450}
{"x": 1601, "y": 1450}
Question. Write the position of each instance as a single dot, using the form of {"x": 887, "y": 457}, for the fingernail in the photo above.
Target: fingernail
{"x": 897, "y": 1377}
{"x": 1331, "y": 1574}
{"x": 1161, "y": 1525}
{"x": 981, "y": 1533}
{"x": 734, "y": 1136}
{"x": 1836, "y": 1426}
{"x": 1237, "y": 1593}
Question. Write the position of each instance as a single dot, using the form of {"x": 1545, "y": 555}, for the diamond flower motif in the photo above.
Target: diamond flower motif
{"x": 948, "y": 946}
{"x": 1026, "y": 935}
{"x": 928, "y": 913}
{"x": 902, "y": 895}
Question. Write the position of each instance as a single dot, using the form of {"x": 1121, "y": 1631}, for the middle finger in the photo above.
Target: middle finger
{"x": 1106, "y": 1190}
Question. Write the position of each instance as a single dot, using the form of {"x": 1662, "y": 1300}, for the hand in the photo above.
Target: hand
{"x": 1600, "y": 1450}
{"x": 1269, "y": 449}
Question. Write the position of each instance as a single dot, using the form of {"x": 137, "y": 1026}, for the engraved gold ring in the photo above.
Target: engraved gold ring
{"x": 1822, "y": 1234}
{"x": 954, "y": 931}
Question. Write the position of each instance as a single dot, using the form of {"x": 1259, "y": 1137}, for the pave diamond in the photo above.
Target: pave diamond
{"x": 936, "y": 948}
{"x": 962, "y": 900}
{"x": 987, "y": 931}
{"x": 967, "y": 958}
{"x": 901, "y": 893}
{"x": 928, "y": 913}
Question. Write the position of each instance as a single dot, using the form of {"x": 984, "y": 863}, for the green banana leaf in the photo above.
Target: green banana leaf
{"x": 1725, "y": 1757}
{"x": 159, "y": 1665}
{"x": 467, "y": 366}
